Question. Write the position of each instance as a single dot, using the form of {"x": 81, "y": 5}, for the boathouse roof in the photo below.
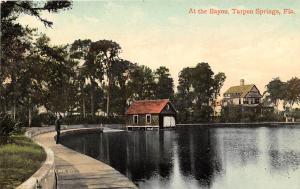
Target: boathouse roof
{"x": 147, "y": 106}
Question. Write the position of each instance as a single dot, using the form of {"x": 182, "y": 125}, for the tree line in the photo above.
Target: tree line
{"x": 89, "y": 78}
{"x": 286, "y": 91}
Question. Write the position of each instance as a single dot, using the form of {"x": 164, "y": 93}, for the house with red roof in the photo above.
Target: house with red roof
{"x": 150, "y": 114}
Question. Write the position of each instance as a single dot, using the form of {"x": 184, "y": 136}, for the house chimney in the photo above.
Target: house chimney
{"x": 242, "y": 82}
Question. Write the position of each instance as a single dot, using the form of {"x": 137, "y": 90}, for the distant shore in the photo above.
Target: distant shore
{"x": 253, "y": 124}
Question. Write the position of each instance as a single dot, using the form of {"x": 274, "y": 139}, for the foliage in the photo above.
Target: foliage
{"x": 197, "y": 89}
{"x": 296, "y": 113}
{"x": 19, "y": 160}
{"x": 10, "y": 10}
{"x": 7, "y": 127}
{"x": 234, "y": 113}
{"x": 141, "y": 84}
{"x": 292, "y": 94}
{"x": 288, "y": 91}
{"x": 22, "y": 59}
{"x": 275, "y": 91}
{"x": 164, "y": 84}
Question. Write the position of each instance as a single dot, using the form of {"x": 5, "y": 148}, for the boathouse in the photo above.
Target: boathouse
{"x": 150, "y": 114}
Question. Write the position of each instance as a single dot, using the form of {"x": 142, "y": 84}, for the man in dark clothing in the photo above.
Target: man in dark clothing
{"x": 57, "y": 128}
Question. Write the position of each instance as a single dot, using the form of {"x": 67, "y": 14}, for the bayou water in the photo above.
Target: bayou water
{"x": 197, "y": 157}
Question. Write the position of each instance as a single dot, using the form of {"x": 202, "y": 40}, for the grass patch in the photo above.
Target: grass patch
{"x": 19, "y": 159}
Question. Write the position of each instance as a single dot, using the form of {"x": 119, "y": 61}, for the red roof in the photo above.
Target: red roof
{"x": 147, "y": 106}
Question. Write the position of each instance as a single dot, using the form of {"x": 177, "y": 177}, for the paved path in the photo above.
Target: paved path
{"x": 75, "y": 170}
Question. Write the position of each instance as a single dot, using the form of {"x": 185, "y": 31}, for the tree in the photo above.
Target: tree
{"x": 164, "y": 85}
{"x": 293, "y": 91}
{"x": 15, "y": 43}
{"x": 101, "y": 56}
{"x": 197, "y": 88}
{"x": 16, "y": 59}
{"x": 184, "y": 96}
{"x": 203, "y": 83}
{"x": 275, "y": 91}
{"x": 119, "y": 92}
{"x": 79, "y": 51}
{"x": 13, "y": 35}
{"x": 59, "y": 74}
{"x": 141, "y": 84}
{"x": 219, "y": 80}
{"x": 10, "y": 10}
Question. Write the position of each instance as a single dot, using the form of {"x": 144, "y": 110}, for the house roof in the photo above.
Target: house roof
{"x": 241, "y": 89}
{"x": 147, "y": 106}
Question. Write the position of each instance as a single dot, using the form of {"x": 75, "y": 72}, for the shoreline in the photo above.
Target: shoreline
{"x": 245, "y": 124}
{"x": 74, "y": 169}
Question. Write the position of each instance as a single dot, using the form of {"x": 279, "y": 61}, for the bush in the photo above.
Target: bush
{"x": 47, "y": 118}
{"x": 296, "y": 113}
{"x": 7, "y": 127}
{"x": 249, "y": 114}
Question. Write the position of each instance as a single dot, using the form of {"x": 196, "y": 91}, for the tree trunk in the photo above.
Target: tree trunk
{"x": 276, "y": 105}
{"x": 5, "y": 107}
{"x": 14, "y": 97}
{"x": 83, "y": 107}
{"x": 14, "y": 111}
{"x": 108, "y": 96}
{"x": 29, "y": 116}
{"x": 107, "y": 105}
{"x": 92, "y": 104}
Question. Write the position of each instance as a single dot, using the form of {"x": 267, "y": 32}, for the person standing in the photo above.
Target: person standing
{"x": 57, "y": 128}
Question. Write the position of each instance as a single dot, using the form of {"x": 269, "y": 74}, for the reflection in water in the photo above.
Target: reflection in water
{"x": 216, "y": 158}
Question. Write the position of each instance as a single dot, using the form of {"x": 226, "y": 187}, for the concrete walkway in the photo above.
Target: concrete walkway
{"x": 75, "y": 170}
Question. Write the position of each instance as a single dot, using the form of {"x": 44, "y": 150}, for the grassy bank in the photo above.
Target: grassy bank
{"x": 19, "y": 159}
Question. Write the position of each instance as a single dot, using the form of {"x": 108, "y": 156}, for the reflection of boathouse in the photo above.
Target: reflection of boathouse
{"x": 149, "y": 114}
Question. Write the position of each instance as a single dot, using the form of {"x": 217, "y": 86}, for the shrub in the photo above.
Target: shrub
{"x": 7, "y": 127}
{"x": 47, "y": 118}
{"x": 249, "y": 114}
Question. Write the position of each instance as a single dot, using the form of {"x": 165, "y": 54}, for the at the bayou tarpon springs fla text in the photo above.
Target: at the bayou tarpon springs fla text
{"x": 244, "y": 12}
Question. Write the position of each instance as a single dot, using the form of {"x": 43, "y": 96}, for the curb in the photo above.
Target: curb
{"x": 45, "y": 176}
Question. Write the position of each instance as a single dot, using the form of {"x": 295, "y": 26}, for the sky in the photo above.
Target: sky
{"x": 156, "y": 33}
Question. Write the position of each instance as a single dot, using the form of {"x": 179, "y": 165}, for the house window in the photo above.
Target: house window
{"x": 148, "y": 118}
{"x": 135, "y": 119}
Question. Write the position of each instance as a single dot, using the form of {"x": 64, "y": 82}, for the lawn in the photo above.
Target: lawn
{"x": 19, "y": 159}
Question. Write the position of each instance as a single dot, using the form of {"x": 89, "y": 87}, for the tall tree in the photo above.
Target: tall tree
{"x": 59, "y": 75}
{"x": 141, "y": 84}
{"x": 15, "y": 44}
{"x": 293, "y": 91}
{"x": 165, "y": 84}
{"x": 79, "y": 51}
{"x": 102, "y": 54}
{"x": 197, "y": 88}
{"x": 276, "y": 90}
{"x": 219, "y": 80}
{"x": 119, "y": 93}
{"x": 184, "y": 95}
{"x": 203, "y": 83}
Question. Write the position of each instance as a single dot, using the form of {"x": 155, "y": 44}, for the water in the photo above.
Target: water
{"x": 215, "y": 158}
